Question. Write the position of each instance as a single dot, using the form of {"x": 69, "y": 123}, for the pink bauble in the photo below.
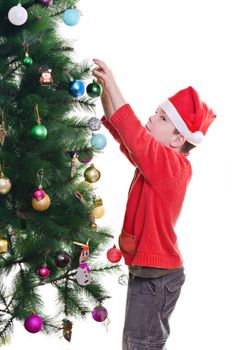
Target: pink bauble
{"x": 45, "y": 2}
{"x": 44, "y": 272}
{"x": 39, "y": 194}
{"x": 114, "y": 254}
{"x": 99, "y": 313}
{"x": 33, "y": 323}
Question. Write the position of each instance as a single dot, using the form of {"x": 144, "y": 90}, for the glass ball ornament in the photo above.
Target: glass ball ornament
{"x": 45, "y": 2}
{"x": 39, "y": 132}
{"x": 94, "y": 124}
{"x": 77, "y": 88}
{"x": 27, "y": 60}
{"x": 17, "y": 15}
{"x": 99, "y": 313}
{"x": 3, "y": 245}
{"x": 114, "y": 254}
{"x": 41, "y": 205}
{"x": 5, "y": 184}
{"x": 39, "y": 194}
{"x": 98, "y": 141}
{"x": 98, "y": 212}
{"x": 71, "y": 17}
{"x": 62, "y": 260}
{"x": 94, "y": 89}
{"x": 43, "y": 272}
{"x": 33, "y": 323}
{"x": 85, "y": 156}
{"x": 91, "y": 174}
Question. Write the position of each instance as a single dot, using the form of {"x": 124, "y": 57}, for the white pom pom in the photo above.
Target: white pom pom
{"x": 196, "y": 138}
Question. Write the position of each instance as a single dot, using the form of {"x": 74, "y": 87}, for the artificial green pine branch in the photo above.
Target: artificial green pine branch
{"x": 5, "y": 329}
{"x": 84, "y": 103}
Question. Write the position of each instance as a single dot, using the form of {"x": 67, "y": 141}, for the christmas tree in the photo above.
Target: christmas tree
{"x": 48, "y": 208}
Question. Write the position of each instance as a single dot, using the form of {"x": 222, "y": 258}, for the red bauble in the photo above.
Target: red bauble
{"x": 114, "y": 254}
{"x": 39, "y": 194}
{"x": 44, "y": 272}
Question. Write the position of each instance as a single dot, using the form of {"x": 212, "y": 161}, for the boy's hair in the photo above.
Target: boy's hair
{"x": 186, "y": 147}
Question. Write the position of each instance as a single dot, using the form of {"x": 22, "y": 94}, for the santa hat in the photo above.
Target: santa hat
{"x": 189, "y": 114}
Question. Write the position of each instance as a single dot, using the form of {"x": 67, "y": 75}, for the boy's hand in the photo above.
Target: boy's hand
{"x": 106, "y": 79}
{"x": 104, "y": 75}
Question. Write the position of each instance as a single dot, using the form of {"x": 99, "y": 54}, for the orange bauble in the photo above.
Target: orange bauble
{"x": 41, "y": 205}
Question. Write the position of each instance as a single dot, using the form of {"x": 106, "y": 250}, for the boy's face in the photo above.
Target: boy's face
{"x": 160, "y": 126}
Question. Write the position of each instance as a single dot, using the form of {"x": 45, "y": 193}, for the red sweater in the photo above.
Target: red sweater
{"x": 155, "y": 196}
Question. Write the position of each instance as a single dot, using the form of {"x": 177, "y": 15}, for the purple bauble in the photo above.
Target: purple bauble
{"x": 39, "y": 194}
{"x": 45, "y": 2}
{"x": 63, "y": 259}
{"x": 85, "y": 156}
{"x": 43, "y": 272}
{"x": 33, "y": 323}
{"x": 99, "y": 313}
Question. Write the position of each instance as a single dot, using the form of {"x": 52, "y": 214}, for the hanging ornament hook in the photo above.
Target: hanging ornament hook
{"x": 1, "y": 168}
{"x": 26, "y": 47}
{"x": 2, "y": 128}
{"x": 82, "y": 244}
{"x": 37, "y": 114}
{"x": 40, "y": 174}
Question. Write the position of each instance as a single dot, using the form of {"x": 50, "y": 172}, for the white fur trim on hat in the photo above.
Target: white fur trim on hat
{"x": 195, "y": 138}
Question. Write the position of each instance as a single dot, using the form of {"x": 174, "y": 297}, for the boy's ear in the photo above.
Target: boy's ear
{"x": 178, "y": 141}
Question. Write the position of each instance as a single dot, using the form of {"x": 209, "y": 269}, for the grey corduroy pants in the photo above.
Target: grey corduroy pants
{"x": 150, "y": 303}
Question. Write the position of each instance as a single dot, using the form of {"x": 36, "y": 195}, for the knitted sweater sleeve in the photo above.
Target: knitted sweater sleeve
{"x": 117, "y": 137}
{"x": 159, "y": 164}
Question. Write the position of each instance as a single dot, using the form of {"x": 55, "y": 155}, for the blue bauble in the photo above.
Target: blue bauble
{"x": 77, "y": 88}
{"x": 98, "y": 141}
{"x": 71, "y": 17}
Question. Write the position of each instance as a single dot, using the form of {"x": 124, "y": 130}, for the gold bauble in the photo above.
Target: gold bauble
{"x": 98, "y": 212}
{"x": 3, "y": 245}
{"x": 94, "y": 226}
{"x": 91, "y": 174}
{"x": 5, "y": 184}
{"x": 41, "y": 205}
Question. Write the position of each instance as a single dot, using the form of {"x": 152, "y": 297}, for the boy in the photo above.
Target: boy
{"x": 148, "y": 241}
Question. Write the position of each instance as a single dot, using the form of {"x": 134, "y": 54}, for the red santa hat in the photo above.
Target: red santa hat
{"x": 191, "y": 116}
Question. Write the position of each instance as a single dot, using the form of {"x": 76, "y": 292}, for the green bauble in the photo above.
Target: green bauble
{"x": 94, "y": 89}
{"x": 39, "y": 132}
{"x": 27, "y": 61}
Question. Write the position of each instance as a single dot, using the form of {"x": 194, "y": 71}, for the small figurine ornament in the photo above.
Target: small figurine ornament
{"x": 83, "y": 275}
{"x": 46, "y": 78}
{"x": 67, "y": 329}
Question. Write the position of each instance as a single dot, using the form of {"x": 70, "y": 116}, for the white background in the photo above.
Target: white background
{"x": 156, "y": 48}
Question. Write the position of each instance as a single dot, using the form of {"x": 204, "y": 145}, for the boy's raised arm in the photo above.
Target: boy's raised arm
{"x": 110, "y": 85}
{"x": 109, "y": 111}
